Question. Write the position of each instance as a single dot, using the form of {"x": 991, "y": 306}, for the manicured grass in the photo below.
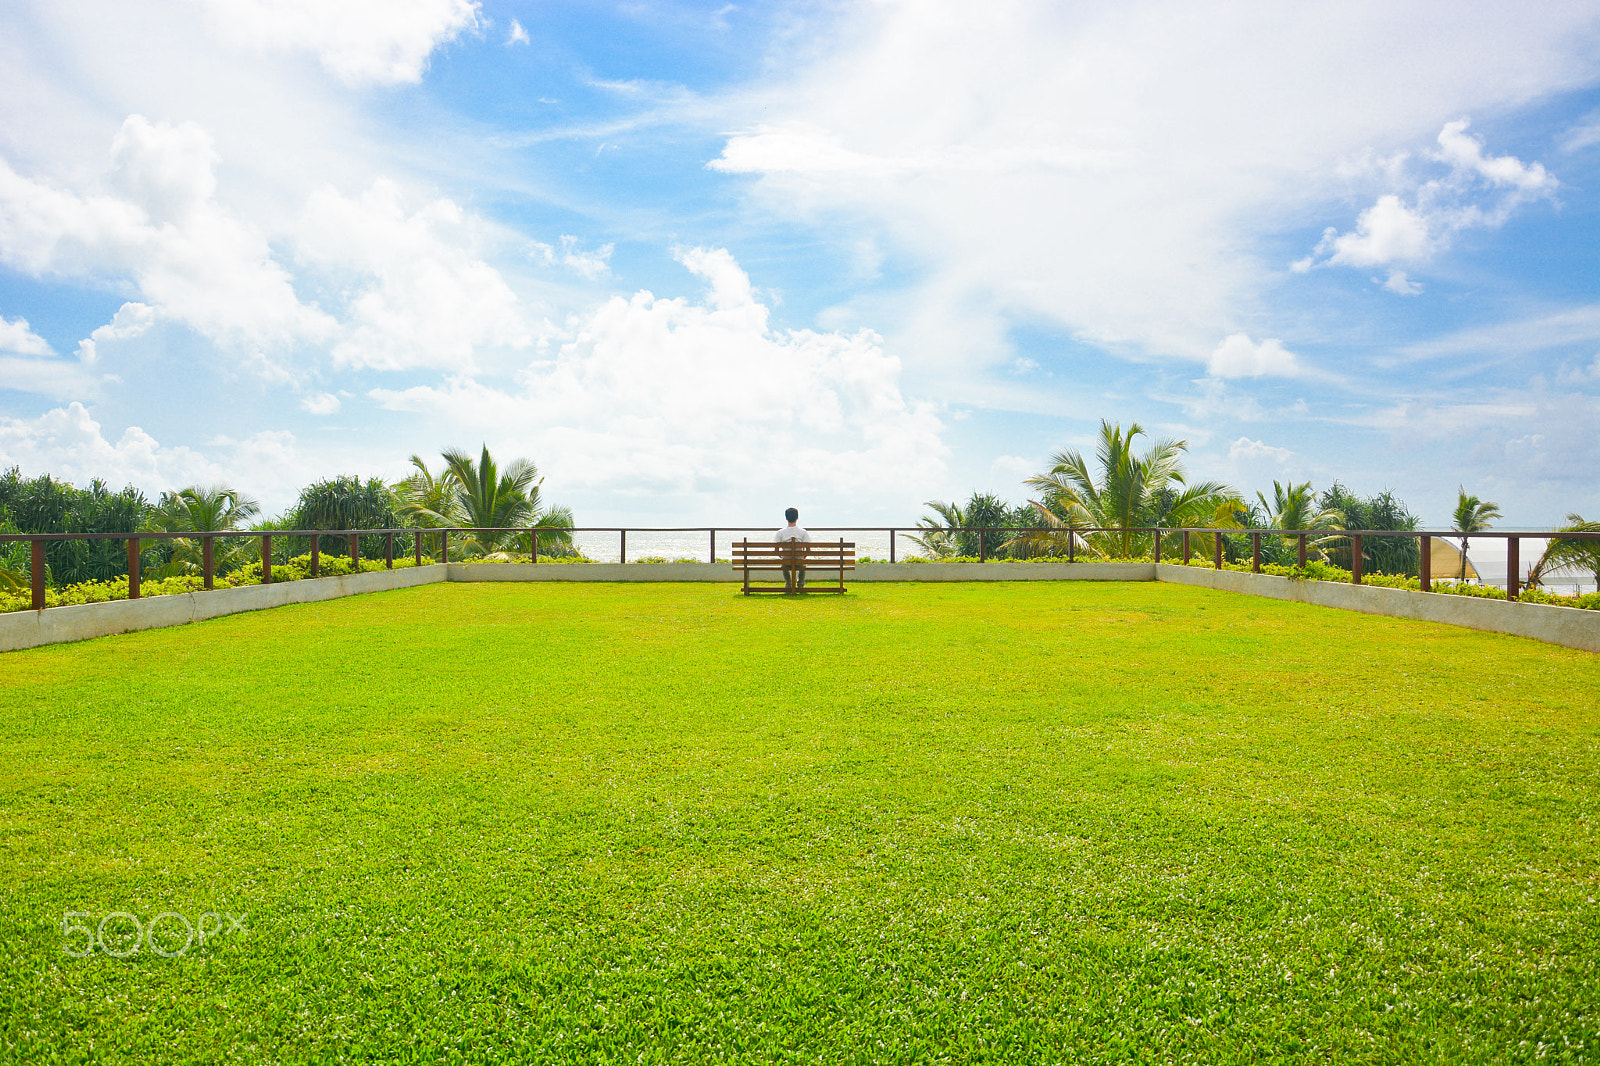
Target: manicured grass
{"x": 918, "y": 823}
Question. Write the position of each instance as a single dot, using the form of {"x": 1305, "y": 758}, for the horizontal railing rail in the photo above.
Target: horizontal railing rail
{"x": 989, "y": 538}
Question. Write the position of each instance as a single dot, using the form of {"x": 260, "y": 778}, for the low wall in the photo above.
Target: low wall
{"x": 724, "y": 572}
{"x": 29, "y": 629}
{"x": 1567, "y": 626}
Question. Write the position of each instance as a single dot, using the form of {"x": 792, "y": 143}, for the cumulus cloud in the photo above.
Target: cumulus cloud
{"x": 1480, "y": 191}
{"x": 360, "y": 42}
{"x": 189, "y": 257}
{"x": 323, "y": 403}
{"x": 517, "y": 35}
{"x": 131, "y": 320}
{"x": 674, "y": 395}
{"x": 1400, "y": 285}
{"x": 1249, "y": 450}
{"x": 67, "y": 443}
{"x": 19, "y": 338}
{"x": 1240, "y": 357}
{"x": 415, "y": 292}
{"x": 29, "y": 364}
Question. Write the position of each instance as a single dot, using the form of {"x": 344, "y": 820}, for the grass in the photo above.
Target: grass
{"x": 918, "y": 823}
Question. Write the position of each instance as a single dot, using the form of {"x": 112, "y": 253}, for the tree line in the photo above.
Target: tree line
{"x": 1101, "y": 508}
{"x": 464, "y": 491}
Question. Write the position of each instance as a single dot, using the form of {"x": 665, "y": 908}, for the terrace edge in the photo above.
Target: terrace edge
{"x": 1563, "y": 626}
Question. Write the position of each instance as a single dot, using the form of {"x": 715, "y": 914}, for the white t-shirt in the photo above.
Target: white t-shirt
{"x": 792, "y": 533}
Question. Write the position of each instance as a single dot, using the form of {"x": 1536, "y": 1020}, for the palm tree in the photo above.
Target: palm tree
{"x": 490, "y": 498}
{"x": 204, "y": 509}
{"x": 983, "y": 510}
{"x": 1132, "y": 491}
{"x": 1569, "y": 553}
{"x": 1472, "y": 516}
{"x": 426, "y": 500}
{"x": 1294, "y": 507}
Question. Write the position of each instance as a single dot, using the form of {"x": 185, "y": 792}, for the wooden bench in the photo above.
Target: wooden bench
{"x": 780, "y": 561}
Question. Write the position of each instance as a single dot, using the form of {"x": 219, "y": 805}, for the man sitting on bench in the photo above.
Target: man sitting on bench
{"x": 793, "y": 577}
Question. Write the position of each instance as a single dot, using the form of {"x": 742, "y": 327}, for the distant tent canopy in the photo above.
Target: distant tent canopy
{"x": 1445, "y": 561}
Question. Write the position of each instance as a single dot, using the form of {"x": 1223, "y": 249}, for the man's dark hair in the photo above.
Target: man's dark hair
{"x": 792, "y": 515}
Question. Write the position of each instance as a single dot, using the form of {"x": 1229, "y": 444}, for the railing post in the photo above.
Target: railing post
{"x": 1186, "y": 547}
{"x": 355, "y": 553}
{"x": 416, "y": 546}
{"x": 623, "y": 534}
{"x": 1255, "y": 553}
{"x": 388, "y": 551}
{"x": 444, "y": 546}
{"x": 266, "y": 558}
{"x": 36, "y": 564}
{"x": 1216, "y": 549}
{"x": 1513, "y": 565}
{"x": 1425, "y": 564}
{"x": 981, "y": 555}
{"x": 1158, "y": 545}
{"x": 533, "y": 546}
{"x": 207, "y": 553}
{"x": 316, "y": 554}
{"x": 1072, "y": 539}
{"x": 133, "y": 568}
{"x": 1355, "y": 559}
{"x": 713, "y": 545}
{"x": 1302, "y": 554}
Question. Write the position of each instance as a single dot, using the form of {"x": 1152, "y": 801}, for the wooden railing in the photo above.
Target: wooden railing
{"x": 989, "y": 538}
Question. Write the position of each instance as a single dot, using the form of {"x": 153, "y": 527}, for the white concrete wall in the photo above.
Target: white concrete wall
{"x": 1566, "y": 626}
{"x": 28, "y": 629}
{"x": 725, "y": 572}
{"x": 1000, "y": 572}
{"x": 591, "y": 572}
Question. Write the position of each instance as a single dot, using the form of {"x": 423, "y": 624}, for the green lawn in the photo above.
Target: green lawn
{"x": 917, "y": 823}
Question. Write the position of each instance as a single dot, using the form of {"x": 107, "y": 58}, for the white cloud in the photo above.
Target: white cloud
{"x": 1465, "y": 154}
{"x": 1392, "y": 231}
{"x": 323, "y": 403}
{"x": 415, "y": 291}
{"x": 19, "y": 338}
{"x": 1249, "y": 450}
{"x": 517, "y": 34}
{"x": 1240, "y": 357}
{"x": 1386, "y": 232}
{"x": 590, "y": 265}
{"x": 360, "y": 42}
{"x": 1110, "y": 166}
{"x": 668, "y": 395}
{"x": 67, "y": 443}
{"x": 1398, "y": 283}
{"x": 131, "y": 320}
{"x": 189, "y": 257}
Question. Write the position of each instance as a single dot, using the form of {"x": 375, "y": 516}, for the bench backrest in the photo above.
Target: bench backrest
{"x": 775, "y": 555}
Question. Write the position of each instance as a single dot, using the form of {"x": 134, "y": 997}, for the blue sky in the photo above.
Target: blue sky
{"x": 702, "y": 261}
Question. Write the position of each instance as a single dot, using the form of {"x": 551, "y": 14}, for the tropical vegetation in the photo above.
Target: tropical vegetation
{"x": 1472, "y": 515}
{"x": 954, "y": 530}
{"x": 1125, "y": 491}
